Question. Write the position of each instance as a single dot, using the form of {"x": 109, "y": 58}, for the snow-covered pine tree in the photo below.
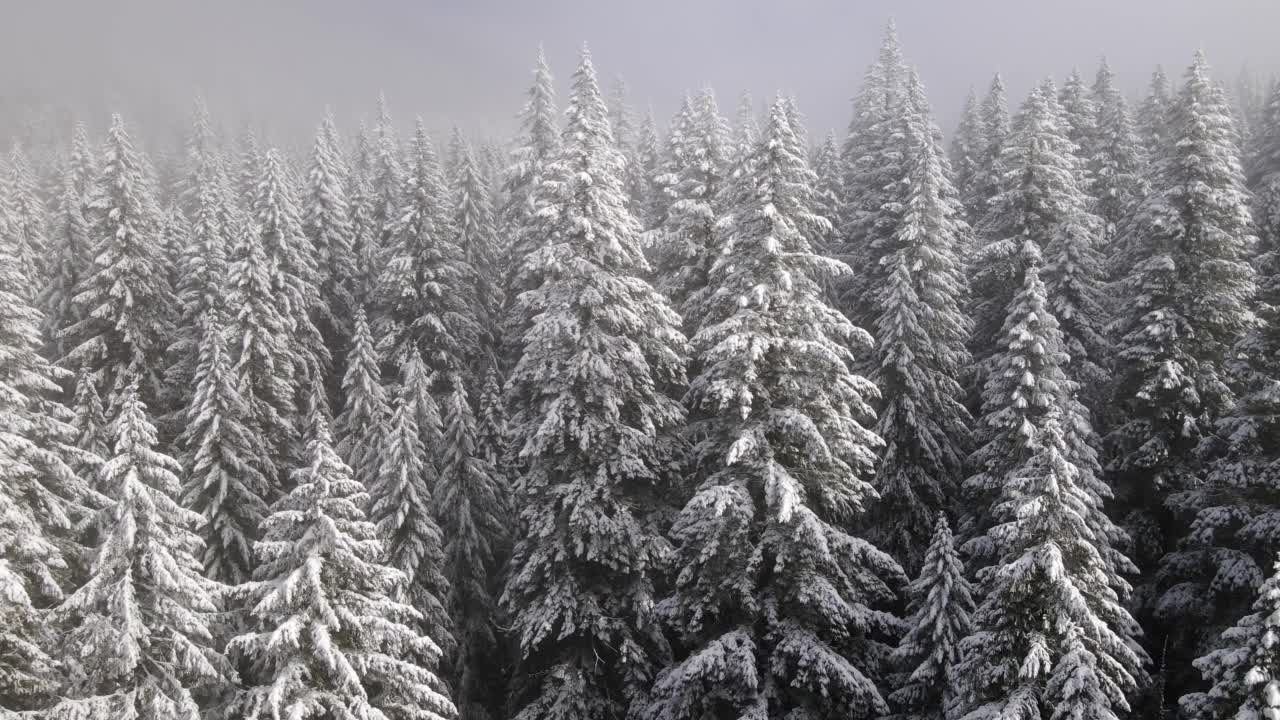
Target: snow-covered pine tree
{"x": 26, "y": 218}
{"x": 265, "y": 357}
{"x": 649, "y": 160}
{"x": 622, "y": 120}
{"x": 331, "y": 635}
{"x": 402, "y": 500}
{"x": 829, "y": 190}
{"x": 686, "y": 246}
{"x": 993, "y": 131}
{"x": 1186, "y": 303}
{"x": 916, "y": 284}
{"x": 426, "y": 294}
{"x": 326, "y": 222}
{"x": 1051, "y": 619}
{"x": 471, "y": 504}
{"x": 248, "y": 167}
{"x": 1153, "y": 113}
{"x": 593, "y": 423}
{"x": 478, "y": 240}
{"x": 1117, "y": 165}
{"x": 940, "y": 606}
{"x": 1264, "y": 172}
{"x": 139, "y": 642}
{"x": 746, "y": 129}
{"x": 124, "y": 304}
{"x": 1040, "y": 201}
{"x": 82, "y": 165}
{"x": 45, "y": 494}
{"x": 295, "y": 271}
{"x": 492, "y": 420}
{"x": 536, "y": 147}
{"x": 387, "y": 178}
{"x": 1080, "y": 113}
{"x": 209, "y": 202}
{"x": 966, "y": 145}
{"x": 873, "y": 187}
{"x": 360, "y": 201}
{"x": 1244, "y": 673}
{"x": 362, "y": 424}
{"x": 222, "y": 460}
{"x": 777, "y": 611}
{"x": 70, "y": 241}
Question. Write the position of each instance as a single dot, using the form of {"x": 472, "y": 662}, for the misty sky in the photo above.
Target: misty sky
{"x": 468, "y": 61}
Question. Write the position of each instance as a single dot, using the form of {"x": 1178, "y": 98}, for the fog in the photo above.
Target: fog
{"x": 279, "y": 63}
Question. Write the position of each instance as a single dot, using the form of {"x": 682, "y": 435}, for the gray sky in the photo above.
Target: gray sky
{"x": 468, "y": 61}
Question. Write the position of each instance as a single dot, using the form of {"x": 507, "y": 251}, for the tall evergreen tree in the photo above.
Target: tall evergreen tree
{"x": 775, "y": 607}
{"x": 829, "y": 190}
{"x": 593, "y": 425}
{"x": 471, "y": 504}
{"x": 966, "y": 144}
{"x": 124, "y": 303}
{"x": 362, "y": 424}
{"x": 403, "y": 505}
{"x": 1153, "y": 113}
{"x": 648, "y": 162}
{"x": 387, "y": 178}
{"x": 1117, "y": 164}
{"x": 1051, "y": 635}
{"x": 478, "y": 240}
{"x": 222, "y": 460}
{"x": 28, "y": 223}
{"x": 141, "y": 638}
{"x": 1186, "y": 304}
{"x": 536, "y": 147}
{"x": 1080, "y": 113}
{"x": 44, "y": 498}
{"x": 71, "y": 242}
{"x": 331, "y": 636}
{"x": 916, "y": 285}
{"x": 941, "y": 606}
{"x": 426, "y": 294}
{"x": 326, "y": 222}
{"x": 686, "y": 247}
{"x": 986, "y": 181}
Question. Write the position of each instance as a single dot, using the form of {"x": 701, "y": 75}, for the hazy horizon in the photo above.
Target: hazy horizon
{"x": 280, "y": 63}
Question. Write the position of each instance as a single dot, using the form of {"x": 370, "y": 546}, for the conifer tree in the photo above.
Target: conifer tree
{"x": 873, "y": 172}
{"x": 776, "y": 609}
{"x": 403, "y": 505}
{"x": 362, "y": 424}
{"x": 326, "y": 222}
{"x": 44, "y": 497}
{"x": 966, "y": 144}
{"x": 83, "y": 163}
{"x": 1185, "y": 305}
{"x": 986, "y": 181}
{"x": 916, "y": 285}
{"x": 27, "y": 221}
{"x": 648, "y": 161}
{"x": 249, "y": 167}
{"x": 331, "y": 635}
{"x": 1080, "y": 113}
{"x": 829, "y": 190}
{"x": 593, "y": 425}
{"x": 222, "y": 460}
{"x": 124, "y": 303}
{"x": 364, "y": 232}
{"x": 1153, "y": 113}
{"x": 1050, "y": 635}
{"x": 535, "y": 147}
{"x": 477, "y": 240}
{"x": 1245, "y": 671}
{"x": 470, "y": 504}
{"x": 746, "y": 129}
{"x": 209, "y": 202}
{"x": 686, "y": 247}
{"x": 140, "y": 642}
{"x": 387, "y": 180}
{"x": 1117, "y": 163}
{"x": 941, "y": 606}
{"x": 295, "y": 272}
{"x": 426, "y": 294}
{"x": 71, "y": 242}
{"x": 264, "y": 356}
{"x": 1040, "y": 201}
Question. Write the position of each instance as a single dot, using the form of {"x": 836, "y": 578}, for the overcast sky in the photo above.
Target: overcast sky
{"x": 468, "y": 61}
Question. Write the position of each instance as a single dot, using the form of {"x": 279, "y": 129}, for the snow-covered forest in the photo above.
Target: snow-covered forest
{"x": 634, "y": 418}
